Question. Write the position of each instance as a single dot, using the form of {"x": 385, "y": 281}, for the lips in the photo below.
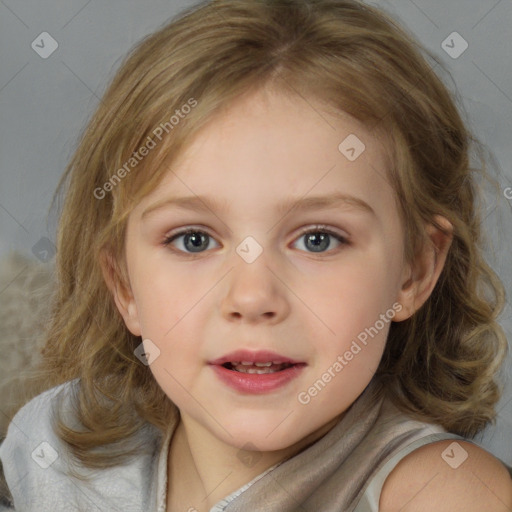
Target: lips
{"x": 256, "y": 372}
{"x": 260, "y": 356}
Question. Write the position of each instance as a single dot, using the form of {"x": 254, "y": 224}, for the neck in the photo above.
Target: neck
{"x": 202, "y": 469}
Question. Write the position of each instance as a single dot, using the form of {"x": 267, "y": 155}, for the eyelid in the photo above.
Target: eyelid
{"x": 187, "y": 229}
{"x": 325, "y": 228}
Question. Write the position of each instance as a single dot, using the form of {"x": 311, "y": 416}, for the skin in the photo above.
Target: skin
{"x": 310, "y": 306}
{"x": 422, "y": 481}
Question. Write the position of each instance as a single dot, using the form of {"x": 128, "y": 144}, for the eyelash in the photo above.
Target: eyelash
{"x": 316, "y": 229}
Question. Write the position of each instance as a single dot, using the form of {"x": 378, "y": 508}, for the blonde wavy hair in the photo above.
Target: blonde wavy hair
{"x": 439, "y": 366}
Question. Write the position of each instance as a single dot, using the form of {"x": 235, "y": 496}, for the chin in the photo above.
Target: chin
{"x": 265, "y": 436}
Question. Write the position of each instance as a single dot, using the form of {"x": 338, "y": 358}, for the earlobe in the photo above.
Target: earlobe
{"x": 121, "y": 292}
{"x": 421, "y": 276}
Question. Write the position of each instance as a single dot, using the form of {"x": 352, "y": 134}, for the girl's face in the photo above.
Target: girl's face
{"x": 248, "y": 279}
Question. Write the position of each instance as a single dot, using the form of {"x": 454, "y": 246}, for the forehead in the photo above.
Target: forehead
{"x": 268, "y": 146}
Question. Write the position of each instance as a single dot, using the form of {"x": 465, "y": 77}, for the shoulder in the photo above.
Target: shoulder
{"x": 32, "y": 425}
{"x": 445, "y": 476}
{"x": 31, "y": 447}
{"x": 40, "y": 468}
{"x": 38, "y": 412}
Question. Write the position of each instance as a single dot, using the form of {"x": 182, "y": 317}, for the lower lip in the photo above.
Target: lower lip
{"x": 257, "y": 383}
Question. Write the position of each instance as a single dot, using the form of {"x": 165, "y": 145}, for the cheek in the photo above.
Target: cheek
{"x": 163, "y": 300}
{"x": 355, "y": 295}
{"x": 169, "y": 309}
{"x": 178, "y": 367}
{"x": 351, "y": 310}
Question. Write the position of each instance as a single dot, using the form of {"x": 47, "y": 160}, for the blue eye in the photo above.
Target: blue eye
{"x": 320, "y": 237}
{"x": 317, "y": 239}
{"x": 194, "y": 239}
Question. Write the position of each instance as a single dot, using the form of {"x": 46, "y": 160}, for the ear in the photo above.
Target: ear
{"x": 420, "y": 277}
{"x": 121, "y": 291}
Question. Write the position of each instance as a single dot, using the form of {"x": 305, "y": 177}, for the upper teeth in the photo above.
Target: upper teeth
{"x": 248, "y": 363}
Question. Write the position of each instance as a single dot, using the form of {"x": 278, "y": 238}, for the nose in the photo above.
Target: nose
{"x": 255, "y": 294}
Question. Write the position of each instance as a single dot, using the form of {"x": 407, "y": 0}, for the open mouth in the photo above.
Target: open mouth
{"x": 250, "y": 372}
{"x": 259, "y": 368}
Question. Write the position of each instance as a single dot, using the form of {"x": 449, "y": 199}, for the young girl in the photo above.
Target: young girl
{"x": 269, "y": 282}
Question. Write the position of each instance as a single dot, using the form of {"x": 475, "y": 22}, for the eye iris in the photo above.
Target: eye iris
{"x": 197, "y": 240}
{"x": 322, "y": 242}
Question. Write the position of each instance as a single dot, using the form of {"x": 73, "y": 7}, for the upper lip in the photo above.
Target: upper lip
{"x": 260, "y": 356}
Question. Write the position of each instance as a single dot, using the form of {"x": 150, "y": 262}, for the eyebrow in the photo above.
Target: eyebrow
{"x": 205, "y": 204}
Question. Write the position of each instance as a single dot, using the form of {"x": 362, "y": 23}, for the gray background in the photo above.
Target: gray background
{"x": 45, "y": 104}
